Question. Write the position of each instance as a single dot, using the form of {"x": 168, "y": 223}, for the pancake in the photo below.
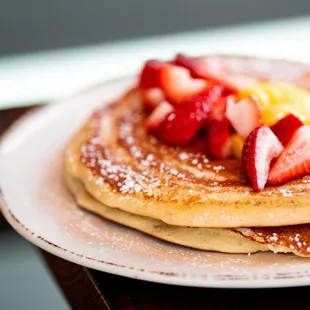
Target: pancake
{"x": 118, "y": 170}
{"x": 289, "y": 239}
{"x": 220, "y": 240}
{"x": 122, "y": 166}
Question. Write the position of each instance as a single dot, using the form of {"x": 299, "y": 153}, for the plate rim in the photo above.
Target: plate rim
{"x": 172, "y": 278}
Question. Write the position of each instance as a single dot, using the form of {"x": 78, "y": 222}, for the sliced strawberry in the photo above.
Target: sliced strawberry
{"x": 177, "y": 83}
{"x": 294, "y": 162}
{"x": 202, "y": 67}
{"x": 286, "y": 127}
{"x": 158, "y": 115}
{"x": 260, "y": 148}
{"x": 150, "y": 74}
{"x": 181, "y": 125}
{"x": 152, "y": 97}
{"x": 206, "y": 99}
{"x": 218, "y": 111}
{"x": 211, "y": 68}
{"x": 219, "y": 139}
{"x": 244, "y": 115}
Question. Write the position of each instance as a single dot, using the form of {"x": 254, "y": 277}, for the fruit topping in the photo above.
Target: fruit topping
{"x": 181, "y": 125}
{"x": 219, "y": 139}
{"x": 177, "y": 83}
{"x": 158, "y": 115}
{"x": 286, "y": 127}
{"x": 202, "y": 67}
{"x": 152, "y": 97}
{"x": 206, "y": 104}
{"x": 218, "y": 111}
{"x": 207, "y": 98}
{"x": 214, "y": 70}
{"x": 278, "y": 99}
{"x": 244, "y": 115}
{"x": 260, "y": 148}
{"x": 294, "y": 162}
{"x": 237, "y": 145}
{"x": 188, "y": 117}
{"x": 149, "y": 77}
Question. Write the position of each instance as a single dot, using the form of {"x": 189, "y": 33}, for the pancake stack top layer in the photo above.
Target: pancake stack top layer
{"x": 124, "y": 163}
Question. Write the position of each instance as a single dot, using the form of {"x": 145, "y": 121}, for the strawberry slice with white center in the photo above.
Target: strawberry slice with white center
{"x": 218, "y": 111}
{"x": 152, "y": 97}
{"x": 177, "y": 83}
{"x": 286, "y": 127}
{"x": 149, "y": 76}
{"x": 244, "y": 115}
{"x": 158, "y": 115}
{"x": 260, "y": 148}
{"x": 219, "y": 139}
{"x": 294, "y": 162}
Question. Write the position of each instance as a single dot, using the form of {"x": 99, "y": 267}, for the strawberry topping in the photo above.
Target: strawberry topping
{"x": 177, "y": 83}
{"x": 149, "y": 77}
{"x": 158, "y": 115}
{"x": 207, "y": 98}
{"x": 218, "y": 111}
{"x": 260, "y": 148}
{"x": 294, "y": 162}
{"x": 211, "y": 68}
{"x": 152, "y": 97}
{"x": 180, "y": 126}
{"x": 244, "y": 115}
{"x": 286, "y": 127}
{"x": 219, "y": 139}
{"x": 202, "y": 67}
{"x": 193, "y": 101}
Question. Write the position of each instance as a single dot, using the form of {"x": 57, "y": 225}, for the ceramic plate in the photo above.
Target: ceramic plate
{"x": 36, "y": 203}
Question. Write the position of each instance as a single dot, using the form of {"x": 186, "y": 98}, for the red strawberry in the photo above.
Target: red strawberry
{"x": 218, "y": 111}
{"x": 150, "y": 74}
{"x": 294, "y": 162}
{"x": 211, "y": 68}
{"x": 244, "y": 115}
{"x": 177, "y": 83}
{"x": 158, "y": 115}
{"x": 205, "y": 99}
{"x": 202, "y": 67}
{"x": 286, "y": 127}
{"x": 219, "y": 139}
{"x": 260, "y": 148}
{"x": 181, "y": 125}
{"x": 152, "y": 97}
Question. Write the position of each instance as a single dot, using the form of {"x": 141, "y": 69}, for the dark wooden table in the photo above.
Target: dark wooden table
{"x": 89, "y": 289}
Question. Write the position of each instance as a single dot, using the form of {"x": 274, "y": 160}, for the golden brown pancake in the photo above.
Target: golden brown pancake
{"x": 287, "y": 239}
{"x": 116, "y": 169}
{"x": 124, "y": 167}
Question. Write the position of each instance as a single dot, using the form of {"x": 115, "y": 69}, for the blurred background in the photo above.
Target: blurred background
{"x": 33, "y": 25}
{"x": 38, "y": 25}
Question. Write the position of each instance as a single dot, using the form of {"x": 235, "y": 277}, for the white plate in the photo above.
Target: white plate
{"x": 38, "y": 206}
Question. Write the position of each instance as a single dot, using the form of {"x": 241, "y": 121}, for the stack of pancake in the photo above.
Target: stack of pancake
{"x": 114, "y": 168}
